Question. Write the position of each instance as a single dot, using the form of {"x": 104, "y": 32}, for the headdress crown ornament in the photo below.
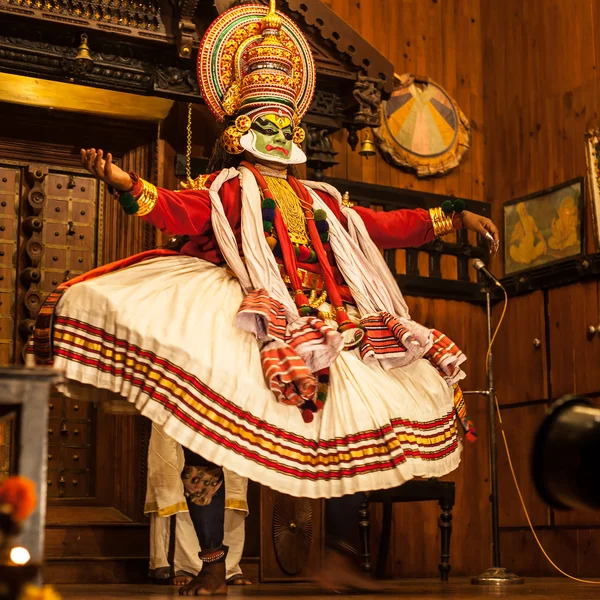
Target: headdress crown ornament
{"x": 254, "y": 60}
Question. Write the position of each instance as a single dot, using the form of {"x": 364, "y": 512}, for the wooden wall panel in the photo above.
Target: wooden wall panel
{"x": 521, "y": 554}
{"x": 576, "y": 551}
{"x": 574, "y": 354}
{"x": 125, "y": 234}
{"x": 541, "y": 94}
{"x": 588, "y": 552}
{"x": 440, "y": 39}
{"x": 541, "y": 88}
{"x": 415, "y": 544}
{"x": 518, "y": 361}
{"x": 520, "y": 425}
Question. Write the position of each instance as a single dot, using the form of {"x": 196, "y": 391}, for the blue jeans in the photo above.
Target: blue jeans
{"x": 208, "y": 520}
{"x": 341, "y": 517}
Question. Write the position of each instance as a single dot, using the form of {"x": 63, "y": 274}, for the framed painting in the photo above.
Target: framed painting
{"x": 592, "y": 147}
{"x": 544, "y": 227}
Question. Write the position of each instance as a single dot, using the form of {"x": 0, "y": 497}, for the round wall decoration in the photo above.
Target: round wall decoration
{"x": 292, "y": 533}
{"x": 422, "y": 127}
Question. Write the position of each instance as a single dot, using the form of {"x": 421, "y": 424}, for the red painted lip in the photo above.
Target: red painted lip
{"x": 279, "y": 148}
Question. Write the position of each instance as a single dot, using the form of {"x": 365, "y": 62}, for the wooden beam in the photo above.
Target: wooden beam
{"x": 31, "y": 91}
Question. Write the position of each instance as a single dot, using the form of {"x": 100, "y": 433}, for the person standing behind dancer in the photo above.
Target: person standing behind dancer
{"x": 174, "y": 544}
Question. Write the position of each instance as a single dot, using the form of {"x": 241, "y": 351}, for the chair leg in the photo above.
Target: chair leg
{"x": 446, "y": 532}
{"x": 384, "y": 544}
{"x": 364, "y": 525}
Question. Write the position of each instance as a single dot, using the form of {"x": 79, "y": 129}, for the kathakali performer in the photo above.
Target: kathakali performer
{"x": 275, "y": 343}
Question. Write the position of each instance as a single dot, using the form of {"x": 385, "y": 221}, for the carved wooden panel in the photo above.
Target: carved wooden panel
{"x": 304, "y": 519}
{"x": 70, "y": 451}
{"x": 54, "y": 213}
{"x": 10, "y": 181}
{"x": 119, "y": 16}
{"x": 70, "y": 225}
{"x": 69, "y": 205}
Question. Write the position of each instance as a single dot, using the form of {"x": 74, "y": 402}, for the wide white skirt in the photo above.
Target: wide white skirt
{"x": 161, "y": 335}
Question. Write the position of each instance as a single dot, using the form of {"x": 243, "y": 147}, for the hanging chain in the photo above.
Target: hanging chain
{"x": 188, "y": 152}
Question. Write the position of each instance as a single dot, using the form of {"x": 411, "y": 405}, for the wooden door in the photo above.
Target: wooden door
{"x": 519, "y": 360}
{"x": 574, "y": 350}
{"x": 96, "y": 460}
{"x": 71, "y": 219}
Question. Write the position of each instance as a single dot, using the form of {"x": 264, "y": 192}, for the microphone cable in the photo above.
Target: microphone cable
{"x": 510, "y": 463}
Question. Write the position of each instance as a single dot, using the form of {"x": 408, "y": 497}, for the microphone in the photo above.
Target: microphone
{"x": 481, "y": 268}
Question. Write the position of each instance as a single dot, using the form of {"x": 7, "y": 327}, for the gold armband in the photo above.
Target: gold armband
{"x": 147, "y": 199}
{"x": 442, "y": 223}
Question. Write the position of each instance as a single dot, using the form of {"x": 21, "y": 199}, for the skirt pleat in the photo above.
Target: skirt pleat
{"x": 161, "y": 335}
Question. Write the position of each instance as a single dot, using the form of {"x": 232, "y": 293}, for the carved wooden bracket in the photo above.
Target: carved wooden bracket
{"x": 352, "y": 76}
{"x": 347, "y": 41}
{"x": 367, "y": 93}
{"x": 187, "y": 34}
{"x": 319, "y": 151}
{"x": 142, "y": 19}
{"x": 30, "y": 274}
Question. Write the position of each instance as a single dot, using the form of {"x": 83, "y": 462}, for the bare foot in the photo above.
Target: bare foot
{"x": 162, "y": 577}
{"x": 209, "y": 582}
{"x": 238, "y": 580}
{"x": 341, "y": 574}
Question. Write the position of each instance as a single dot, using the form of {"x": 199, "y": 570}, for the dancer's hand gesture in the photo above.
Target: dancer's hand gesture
{"x": 103, "y": 168}
{"x": 483, "y": 226}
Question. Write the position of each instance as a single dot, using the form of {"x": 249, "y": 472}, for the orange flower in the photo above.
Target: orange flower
{"x": 34, "y": 593}
{"x": 19, "y": 493}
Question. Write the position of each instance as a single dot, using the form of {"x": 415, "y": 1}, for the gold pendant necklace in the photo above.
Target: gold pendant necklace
{"x": 290, "y": 208}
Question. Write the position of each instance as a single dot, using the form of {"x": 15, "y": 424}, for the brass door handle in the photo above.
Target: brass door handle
{"x": 592, "y": 331}
{"x": 537, "y": 343}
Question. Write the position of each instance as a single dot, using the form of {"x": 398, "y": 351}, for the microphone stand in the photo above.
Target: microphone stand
{"x": 495, "y": 575}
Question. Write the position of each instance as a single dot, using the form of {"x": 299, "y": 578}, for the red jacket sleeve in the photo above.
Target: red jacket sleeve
{"x": 402, "y": 228}
{"x": 185, "y": 212}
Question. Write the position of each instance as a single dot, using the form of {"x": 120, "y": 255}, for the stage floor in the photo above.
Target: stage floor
{"x": 534, "y": 589}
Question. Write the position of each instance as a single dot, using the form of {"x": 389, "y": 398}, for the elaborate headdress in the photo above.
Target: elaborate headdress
{"x": 254, "y": 60}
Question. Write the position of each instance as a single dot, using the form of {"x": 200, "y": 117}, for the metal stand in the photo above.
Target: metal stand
{"x": 495, "y": 575}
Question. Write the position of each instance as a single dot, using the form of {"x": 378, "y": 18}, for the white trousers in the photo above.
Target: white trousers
{"x": 186, "y": 547}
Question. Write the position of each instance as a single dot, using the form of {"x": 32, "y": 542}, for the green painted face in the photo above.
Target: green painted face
{"x": 274, "y": 136}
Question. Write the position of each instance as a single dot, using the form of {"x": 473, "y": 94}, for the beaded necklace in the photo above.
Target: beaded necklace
{"x": 318, "y": 233}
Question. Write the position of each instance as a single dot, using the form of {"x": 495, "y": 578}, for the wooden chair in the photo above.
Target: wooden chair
{"x": 24, "y": 393}
{"x": 416, "y": 490}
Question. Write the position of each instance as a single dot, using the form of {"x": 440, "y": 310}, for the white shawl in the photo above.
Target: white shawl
{"x": 371, "y": 283}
